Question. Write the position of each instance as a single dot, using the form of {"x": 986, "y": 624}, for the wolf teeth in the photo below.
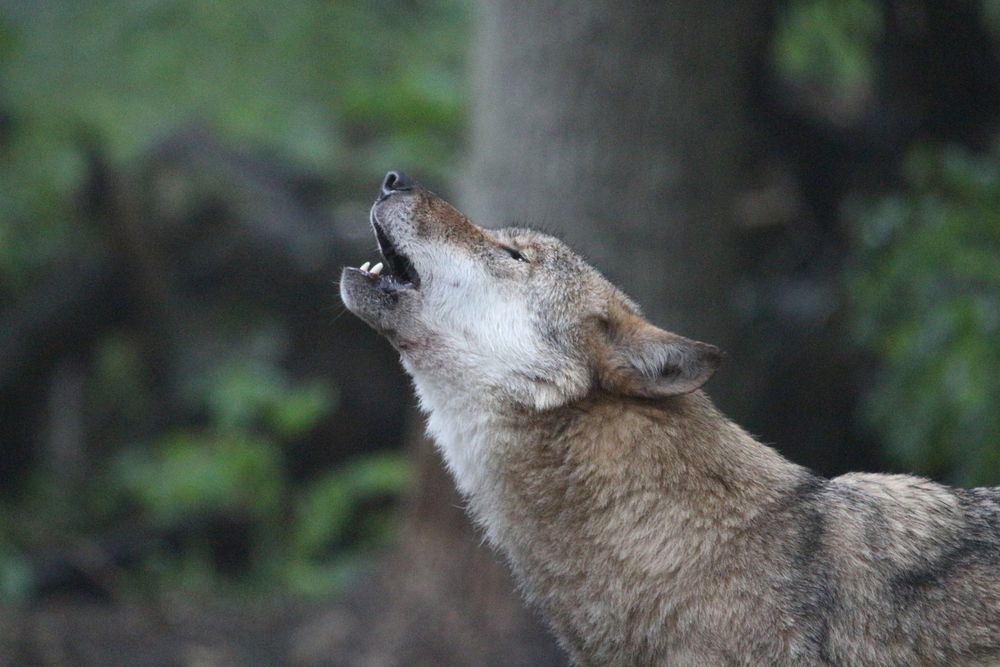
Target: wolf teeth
{"x": 374, "y": 270}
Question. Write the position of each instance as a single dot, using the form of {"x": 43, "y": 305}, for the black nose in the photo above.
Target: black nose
{"x": 395, "y": 181}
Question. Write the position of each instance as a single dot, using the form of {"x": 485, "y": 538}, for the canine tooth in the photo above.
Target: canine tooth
{"x": 364, "y": 267}
{"x": 377, "y": 269}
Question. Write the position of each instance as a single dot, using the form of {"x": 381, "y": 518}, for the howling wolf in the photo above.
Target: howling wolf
{"x": 647, "y": 527}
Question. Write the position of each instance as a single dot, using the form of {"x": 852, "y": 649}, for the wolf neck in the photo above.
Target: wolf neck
{"x": 608, "y": 480}
{"x": 673, "y": 446}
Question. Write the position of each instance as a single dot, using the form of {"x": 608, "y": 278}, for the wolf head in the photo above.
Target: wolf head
{"x": 507, "y": 317}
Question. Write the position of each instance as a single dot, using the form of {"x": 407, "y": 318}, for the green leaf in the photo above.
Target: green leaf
{"x": 924, "y": 283}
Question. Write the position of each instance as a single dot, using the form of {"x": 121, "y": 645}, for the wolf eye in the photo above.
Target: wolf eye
{"x": 514, "y": 253}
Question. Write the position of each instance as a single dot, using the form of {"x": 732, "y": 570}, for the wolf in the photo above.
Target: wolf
{"x": 647, "y": 527}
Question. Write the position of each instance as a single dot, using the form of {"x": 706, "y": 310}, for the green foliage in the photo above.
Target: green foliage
{"x": 327, "y": 513}
{"x": 828, "y": 43}
{"x": 189, "y": 474}
{"x": 236, "y": 469}
{"x": 340, "y": 87}
{"x": 341, "y": 90}
{"x": 242, "y": 394}
{"x": 39, "y": 173}
{"x": 308, "y": 541}
{"x": 926, "y": 297}
{"x": 324, "y": 511}
{"x": 118, "y": 389}
{"x": 281, "y": 74}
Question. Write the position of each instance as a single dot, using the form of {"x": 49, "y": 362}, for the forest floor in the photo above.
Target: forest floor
{"x": 171, "y": 632}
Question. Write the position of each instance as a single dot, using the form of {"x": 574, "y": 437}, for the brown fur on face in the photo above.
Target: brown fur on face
{"x": 647, "y": 527}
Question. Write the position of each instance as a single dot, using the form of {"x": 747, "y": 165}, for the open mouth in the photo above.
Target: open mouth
{"x": 395, "y": 271}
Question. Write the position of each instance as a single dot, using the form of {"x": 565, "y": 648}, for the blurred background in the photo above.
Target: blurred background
{"x": 205, "y": 461}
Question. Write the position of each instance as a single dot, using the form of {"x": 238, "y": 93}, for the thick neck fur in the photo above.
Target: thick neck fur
{"x": 648, "y": 493}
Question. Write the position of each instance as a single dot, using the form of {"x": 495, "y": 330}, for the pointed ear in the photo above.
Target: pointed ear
{"x": 642, "y": 360}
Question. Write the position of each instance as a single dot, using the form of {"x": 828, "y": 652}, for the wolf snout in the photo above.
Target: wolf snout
{"x": 395, "y": 181}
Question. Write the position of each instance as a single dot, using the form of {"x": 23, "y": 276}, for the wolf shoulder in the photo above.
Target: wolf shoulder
{"x": 911, "y": 566}
{"x": 897, "y": 520}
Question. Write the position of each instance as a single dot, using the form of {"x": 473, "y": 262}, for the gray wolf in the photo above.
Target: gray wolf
{"x": 646, "y": 527}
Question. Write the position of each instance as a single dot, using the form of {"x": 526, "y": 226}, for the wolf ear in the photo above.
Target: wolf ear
{"x": 642, "y": 360}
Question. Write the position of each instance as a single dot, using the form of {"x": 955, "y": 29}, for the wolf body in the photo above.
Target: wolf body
{"x": 645, "y": 526}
